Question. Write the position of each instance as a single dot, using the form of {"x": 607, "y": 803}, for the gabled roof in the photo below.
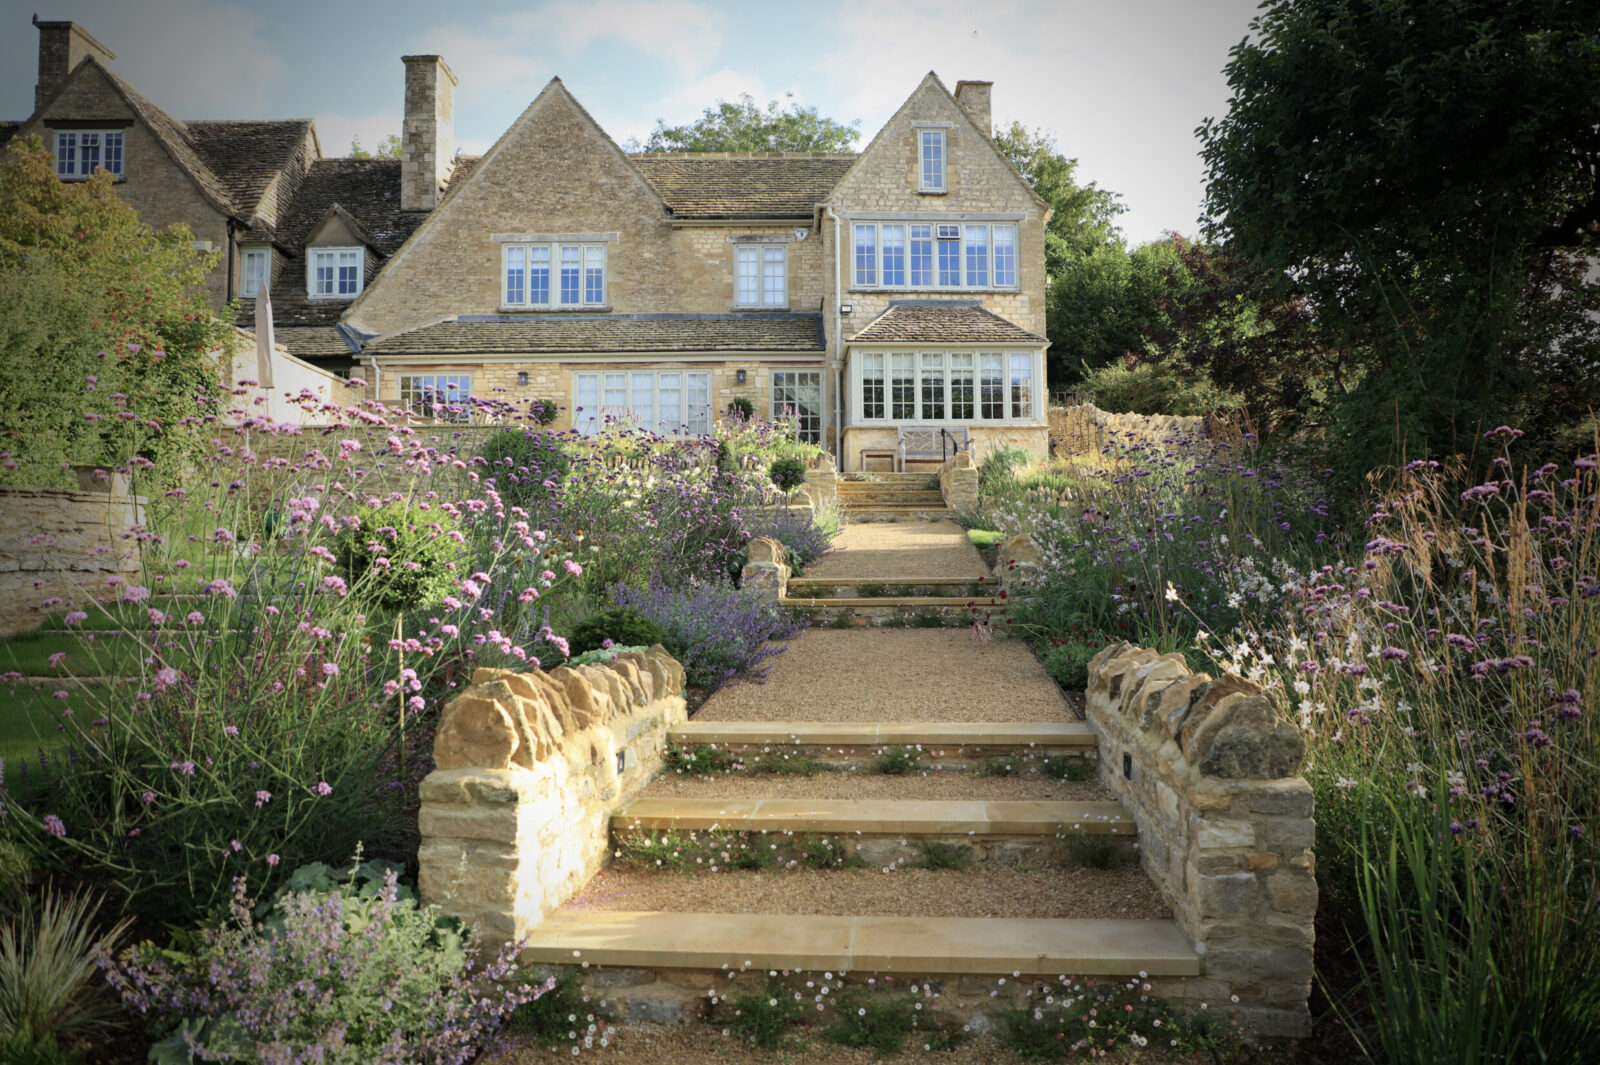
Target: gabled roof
{"x": 754, "y": 185}
{"x": 315, "y": 342}
{"x": 246, "y": 156}
{"x": 592, "y": 334}
{"x": 942, "y": 322}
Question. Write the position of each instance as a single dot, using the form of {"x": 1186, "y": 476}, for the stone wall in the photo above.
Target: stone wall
{"x": 1209, "y": 770}
{"x": 1034, "y": 439}
{"x": 958, "y": 481}
{"x": 1085, "y": 429}
{"x": 516, "y": 817}
{"x": 61, "y": 545}
{"x": 766, "y": 567}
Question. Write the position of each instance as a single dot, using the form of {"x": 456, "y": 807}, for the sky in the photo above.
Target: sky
{"x": 1120, "y": 84}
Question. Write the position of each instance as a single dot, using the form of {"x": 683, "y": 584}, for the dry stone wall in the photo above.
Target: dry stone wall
{"x": 61, "y": 545}
{"x": 516, "y": 817}
{"x": 1085, "y": 429}
{"x": 1210, "y": 772}
{"x": 958, "y": 481}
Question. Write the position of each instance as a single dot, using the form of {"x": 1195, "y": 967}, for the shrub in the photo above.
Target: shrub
{"x": 1087, "y": 850}
{"x": 50, "y": 991}
{"x": 543, "y": 411}
{"x": 398, "y": 556}
{"x": 1164, "y": 387}
{"x": 523, "y": 462}
{"x": 561, "y": 1017}
{"x": 1067, "y": 662}
{"x": 787, "y": 473}
{"x": 622, "y": 625}
{"x": 741, "y": 408}
{"x": 805, "y": 539}
{"x": 715, "y": 630}
{"x": 347, "y": 976}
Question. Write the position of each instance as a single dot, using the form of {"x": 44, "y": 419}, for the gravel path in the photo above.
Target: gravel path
{"x": 863, "y": 785}
{"x": 896, "y": 675}
{"x": 883, "y": 549}
{"x": 984, "y": 890}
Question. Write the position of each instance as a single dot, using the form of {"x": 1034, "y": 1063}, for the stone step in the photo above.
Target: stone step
{"x": 885, "y": 479}
{"x": 878, "y": 817}
{"x": 910, "y": 603}
{"x": 989, "y": 946}
{"x": 935, "y": 736}
{"x": 891, "y": 494}
{"x": 879, "y": 611}
{"x": 826, "y": 587}
{"x": 887, "y": 513}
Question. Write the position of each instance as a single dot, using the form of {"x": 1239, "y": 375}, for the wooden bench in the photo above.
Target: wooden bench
{"x": 930, "y": 442}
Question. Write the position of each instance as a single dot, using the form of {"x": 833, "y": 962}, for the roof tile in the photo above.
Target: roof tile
{"x": 758, "y": 185}
{"x": 943, "y": 322}
{"x": 588, "y": 334}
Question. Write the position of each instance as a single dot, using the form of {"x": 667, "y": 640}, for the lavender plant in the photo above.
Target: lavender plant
{"x": 714, "y": 629}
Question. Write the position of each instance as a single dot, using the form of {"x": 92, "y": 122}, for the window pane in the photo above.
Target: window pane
{"x": 961, "y": 387}
{"x": 797, "y": 397}
{"x": 921, "y": 255}
{"x": 894, "y": 255}
{"x": 586, "y": 412}
{"x": 978, "y": 256}
{"x": 950, "y": 262}
{"x": 698, "y": 388}
{"x": 991, "y": 387}
{"x": 871, "y": 386}
{"x": 324, "y": 273}
{"x": 614, "y": 405}
{"x": 866, "y": 255}
{"x": 516, "y": 273}
{"x": 1005, "y": 255}
{"x": 571, "y": 272}
{"x": 902, "y": 387}
{"x": 1022, "y": 386}
{"x": 594, "y": 273}
{"x": 66, "y": 154}
{"x": 89, "y": 152}
{"x": 349, "y": 273}
{"x": 933, "y": 160}
{"x": 775, "y": 277}
{"x": 642, "y": 400}
{"x": 669, "y": 400}
{"x": 113, "y": 159}
{"x": 933, "y": 387}
{"x": 539, "y": 273}
{"x": 255, "y": 273}
{"x": 745, "y": 279}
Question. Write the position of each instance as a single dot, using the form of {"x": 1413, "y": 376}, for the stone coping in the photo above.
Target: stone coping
{"x": 878, "y": 816}
{"x": 956, "y": 945}
{"x": 895, "y": 733}
{"x": 854, "y": 582}
{"x": 895, "y": 600}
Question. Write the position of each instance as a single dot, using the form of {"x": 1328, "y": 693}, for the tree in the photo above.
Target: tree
{"x": 1427, "y": 173}
{"x": 105, "y": 334}
{"x": 743, "y": 126}
{"x": 388, "y": 148}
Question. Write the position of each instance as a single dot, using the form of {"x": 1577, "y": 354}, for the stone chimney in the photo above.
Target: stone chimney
{"x": 973, "y": 96}
{"x": 428, "y": 140}
{"x": 62, "y": 46}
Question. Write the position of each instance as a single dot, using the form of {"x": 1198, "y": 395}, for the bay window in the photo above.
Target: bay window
{"x": 946, "y": 386}
{"x": 579, "y": 281}
{"x": 664, "y": 402}
{"x": 935, "y": 255}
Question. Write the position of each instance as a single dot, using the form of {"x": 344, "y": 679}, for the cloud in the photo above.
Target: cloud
{"x": 684, "y": 35}
{"x": 685, "y": 103}
{"x": 335, "y": 131}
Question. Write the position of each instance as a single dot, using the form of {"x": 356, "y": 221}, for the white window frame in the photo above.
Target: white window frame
{"x": 869, "y": 258}
{"x": 454, "y": 388}
{"x": 932, "y": 167}
{"x": 606, "y": 398}
{"x": 781, "y": 412}
{"x": 250, "y": 286}
{"x": 589, "y": 256}
{"x": 335, "y": 252}
{"x": 761, "y": 276}
{"x": 73, "y": 160}
{"x": 928, "y": 371}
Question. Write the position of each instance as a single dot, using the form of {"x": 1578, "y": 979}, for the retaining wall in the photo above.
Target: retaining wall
{"x": 1085, "y": 429}
{"x": 1210, "y": 772}
{"x": 61, "y": 545}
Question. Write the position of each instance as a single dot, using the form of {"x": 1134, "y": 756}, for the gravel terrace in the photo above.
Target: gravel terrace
{"x": 947, "y": 785}
{"x": 1044, "y": 890}
{"x": 896, "y": 675}
{"x": 884, "y": 549}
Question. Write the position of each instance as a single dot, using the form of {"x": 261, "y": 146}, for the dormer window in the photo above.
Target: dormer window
{"x": 254, "y": 269}
{"x": 334, "y": 273}
{"x": 931, "y": 154}
{"x": 80, "y": 151}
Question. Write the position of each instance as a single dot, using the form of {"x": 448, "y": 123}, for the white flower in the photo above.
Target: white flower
{"x": 1172, "y": 593}
{"x": 1345, "y": 783}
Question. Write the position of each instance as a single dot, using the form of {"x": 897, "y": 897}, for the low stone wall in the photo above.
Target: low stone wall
{"x": 766, "y": 567}
{"x": 1209, "y": 770}
{"x": 61, "y": 545}
{"x": 516, "y": 817}
{"x": 1019, "y": 565}
{"x": 958, "y": 480}
{"x": 1085, "y": 429}
{"x": 822, "y": 481}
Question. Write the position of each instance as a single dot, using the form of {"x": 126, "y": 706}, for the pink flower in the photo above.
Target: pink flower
{"x": 194, "y": 617}
{"x": 166, "y": 677}
{"x": 53, "y": 825}
{"x": 183, "y": 768}
{"x": 329, "y": 669}
{"x": 230, "y": 730}
{"x": 335, "y": 585}
{"x": 135, "y": 593}
{"x": 221, "y": 587}
{"x": 272, "y": 859}
{"x": 57, "y": 658}
{"x": 573, "y": 568}
{"x": 263, "y": 797}
{"x": 323, "y": 788}
{"x": 77, "y": 617}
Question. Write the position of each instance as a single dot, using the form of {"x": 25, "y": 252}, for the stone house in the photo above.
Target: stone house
{"x": 888, "y": 302}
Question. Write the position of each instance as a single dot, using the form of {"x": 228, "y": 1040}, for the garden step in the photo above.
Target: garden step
{"x": 990, "y": 946}
{"x": 805, "y": 584}
{"x": 909, "y": 602}
{"x": 899, "y": 817}
{"x": 878, "y": 511}
{"x": 1001, "y": 736}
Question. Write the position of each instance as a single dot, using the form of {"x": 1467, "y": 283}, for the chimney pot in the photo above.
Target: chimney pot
{"x": 973, "y": 96}
{"x": 427, "y": 140}
{"x": 62, "y": 46}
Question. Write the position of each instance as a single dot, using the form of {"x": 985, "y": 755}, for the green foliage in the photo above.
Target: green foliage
{"x": 927, "y": 619}
{"x": 765, "y": 1017}
{"x": 935, "y": 854}
{"x": 1089, "y": 850}
{"x": 744, "y": 126}
{"x": 896, "y": 762}
{"x": 883, "y": 1023}
{"x": 1093, "y": 1018}
{"x": 1164, "y": 386}
{"x": 787, "y": 473}
{"x": 95, "y": 305}
{"x": 522, "y": 461}
{"x": 1423, "y": 172}
{"x": 388, "y": 148}
{"x": 543, "y": 411}
{"x": 622, "y": 625}
{"x": 1067, "y": 662}
{"x": 741, "y": 407}
{"x": 1000, "y": 765}
{"x": 1061, "y": 767}
{"x": 561, "y": 1017}
{"x": 699, "y": 761}
{"x": 50, "y": 986}
{"x": 401, "y": 534}
{"x": 604, "y": 654}
{"x": 785, "y": 764}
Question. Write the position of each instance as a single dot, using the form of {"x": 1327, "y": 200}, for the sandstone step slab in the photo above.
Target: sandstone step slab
{"x": 905, "y": 602}
{"x": 841, "y": 587}
{"x": 933, "y": 735}
{"x": 948, "y": 945}
{"x": 878, "y": 817}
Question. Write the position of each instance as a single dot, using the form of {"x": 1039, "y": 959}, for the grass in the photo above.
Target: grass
{"x": 1061, "y": 767}
{"x": 791, "y": 765}
{"x": 29, "y": 723}
{"x": 896, "y": 762}
{"x": 1089, "y": 851}
{"x": 999, "y": 765}
{"x": 984, "y": 537}
{"x": 934, "y": 854}
{"x": 88, "y": 655}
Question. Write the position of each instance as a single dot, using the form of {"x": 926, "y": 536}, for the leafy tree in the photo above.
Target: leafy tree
{"x": 102, "y": 317}
{"x": 744, "y": 126}
{"x": 388, "y": 148}
{"x": 1427, "y": 172}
